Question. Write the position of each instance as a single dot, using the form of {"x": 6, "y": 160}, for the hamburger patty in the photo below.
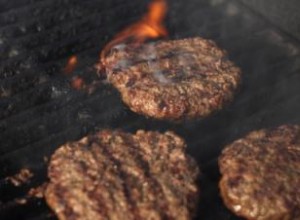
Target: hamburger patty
{"x": 261, "y": 174}
{"x": 116, "y": 175}
{"x": 174, "y": 79}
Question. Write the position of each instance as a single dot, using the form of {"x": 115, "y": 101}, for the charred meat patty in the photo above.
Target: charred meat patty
{"x": 116, "y": 175}
{"x": 261, "y": 174}
{"x": 173, "y": 79}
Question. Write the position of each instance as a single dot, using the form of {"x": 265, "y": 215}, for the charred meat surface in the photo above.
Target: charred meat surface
{"x": 117, "y": 175}
{"x": 173, "y": 79}
{"x": 261, "y": 174}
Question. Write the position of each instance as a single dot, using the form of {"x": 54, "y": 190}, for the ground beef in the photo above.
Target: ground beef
{"x": 116, "y": 175}
{"x": 261, "y": 174}
{"x": 173, "y": 79}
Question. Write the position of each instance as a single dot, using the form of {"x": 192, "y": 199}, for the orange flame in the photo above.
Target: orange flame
{"x": 77, "y": 83}
{"x": 149, "y": 27}
{"x": 71, "y": 64}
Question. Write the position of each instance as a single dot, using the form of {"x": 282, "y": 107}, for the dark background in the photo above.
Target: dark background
{"x": 284, "y": 14}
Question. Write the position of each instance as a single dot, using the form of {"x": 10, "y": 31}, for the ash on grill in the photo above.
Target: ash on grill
{"x": 20, "y": 178}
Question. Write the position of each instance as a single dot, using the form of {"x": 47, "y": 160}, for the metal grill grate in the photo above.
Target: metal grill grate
{"x": 40, "y": 111}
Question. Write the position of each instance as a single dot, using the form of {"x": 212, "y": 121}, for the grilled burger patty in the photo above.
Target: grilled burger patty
{"x": 116, "y": 175}
{"x": 174, "y": 79}
{"x": 261, "y": 174}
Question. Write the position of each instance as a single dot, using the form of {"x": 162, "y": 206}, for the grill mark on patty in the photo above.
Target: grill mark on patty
{"x": 157, "y": 188}
{"x": 68, "y": 210}
{"x": 125, "y": 179}
{"x": 143, "y": 165}
{"x": 157, "y": 185}
{"x": 102, "y": 207}
{"x": 158, "y": 182}
{"x": 261, "y": 174}
{"x": 110, "y": 170}
{"x": 119, "y": 173}
{"x": 100, "y": 200}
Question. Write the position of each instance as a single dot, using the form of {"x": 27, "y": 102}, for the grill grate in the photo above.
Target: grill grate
{"x": 40, "y": 111}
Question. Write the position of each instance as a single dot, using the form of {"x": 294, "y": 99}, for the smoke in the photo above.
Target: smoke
{"x": 159, "y": 76}
{"x": 144, "y": 54}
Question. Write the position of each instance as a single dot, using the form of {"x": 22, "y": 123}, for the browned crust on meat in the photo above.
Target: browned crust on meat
{"x": 116, "y": 175}
{"x": 261, "y": 174}
{"x": 174, "y": 79}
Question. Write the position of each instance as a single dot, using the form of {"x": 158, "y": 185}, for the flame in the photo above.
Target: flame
{"x": 71, "y": 64}
{"x": 77, "y": 83}
{"x": 149, "y": 27}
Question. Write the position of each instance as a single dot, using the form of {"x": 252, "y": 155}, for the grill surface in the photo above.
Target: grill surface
{"x": 40, "y": 111}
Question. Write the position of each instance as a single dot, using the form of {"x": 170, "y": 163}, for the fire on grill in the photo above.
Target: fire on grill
{"x": 149, "y": 27}
{"x": 170, "y": 79}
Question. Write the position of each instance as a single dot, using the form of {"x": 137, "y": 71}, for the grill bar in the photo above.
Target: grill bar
{"x": 59, "y": 122}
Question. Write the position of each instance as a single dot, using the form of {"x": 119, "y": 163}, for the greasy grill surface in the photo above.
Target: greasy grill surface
{"x": 40, "y": 111}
